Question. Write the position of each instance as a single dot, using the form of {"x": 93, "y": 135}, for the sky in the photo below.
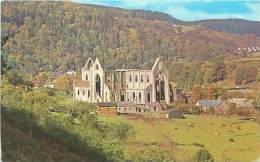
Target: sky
{"x": 190, "y": 10}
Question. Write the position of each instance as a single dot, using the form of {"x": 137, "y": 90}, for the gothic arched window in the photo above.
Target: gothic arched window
{"x": 130, "y": 78}
{"x": 88, "y": 93}
{"x": 148, "y": 97}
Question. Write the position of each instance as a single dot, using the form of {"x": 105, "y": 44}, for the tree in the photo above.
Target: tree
{"x": 218, "y": 72}
{"x": 14, "y": 77}
{"x": 196, "y": 93}
{"x": 84, "y": 112}
{"x": 11, "y": 95}
{"x": 180, "y": 104}
{"x": 244, "y": 75}
{"x": 209, "y": 91}
{"x": 43, "y": 76}
{"x": 64, "y": 83}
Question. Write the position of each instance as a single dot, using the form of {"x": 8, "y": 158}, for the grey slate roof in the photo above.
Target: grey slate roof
{"x": 106, "y": 104}
{"x": 116, "y": 104}
{"x": 128, "y": 104}
{"x": 209, "y": 103}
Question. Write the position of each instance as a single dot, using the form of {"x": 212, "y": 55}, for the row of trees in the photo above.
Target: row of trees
{"x": 186, "y": 74}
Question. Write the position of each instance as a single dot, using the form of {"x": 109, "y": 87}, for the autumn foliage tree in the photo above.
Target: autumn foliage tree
{"x": 196, "y": 94}
{"x": 64, "y": 83}
{"x": 218, "y": 72}
{"x": 244, "y": 75}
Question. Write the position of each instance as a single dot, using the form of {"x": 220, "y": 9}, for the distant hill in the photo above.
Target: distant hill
{"x": 237, "y": 26}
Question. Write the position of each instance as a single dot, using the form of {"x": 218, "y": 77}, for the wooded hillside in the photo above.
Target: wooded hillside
{"x": 58, "y": 36}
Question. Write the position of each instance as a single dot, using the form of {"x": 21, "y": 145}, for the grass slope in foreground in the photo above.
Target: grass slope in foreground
{"x": 229, "y": 139}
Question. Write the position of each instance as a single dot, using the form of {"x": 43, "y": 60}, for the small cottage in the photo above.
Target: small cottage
{"x": 174, "y": 114}
{"x": 126, "y": 107}
{"x": 206, "y": 105}
{"x": 242, "y": 102}
{"x": 222, "y": 109}
{"x": 107, "y": 108}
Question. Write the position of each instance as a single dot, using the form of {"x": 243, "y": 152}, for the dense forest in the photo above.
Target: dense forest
{"x": 59, "y": 36}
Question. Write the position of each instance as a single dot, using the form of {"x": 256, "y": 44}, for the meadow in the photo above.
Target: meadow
{"x": 227, "y": 139}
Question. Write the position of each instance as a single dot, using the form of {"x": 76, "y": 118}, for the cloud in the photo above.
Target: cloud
{"x": 179, "y": 9}
{"x": 183, "y": 13}
{"x": 255, "y": 9}
{"x": 136, "y": 4}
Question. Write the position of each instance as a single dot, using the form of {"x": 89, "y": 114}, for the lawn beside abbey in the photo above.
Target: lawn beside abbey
{"x": 230, "y": 139}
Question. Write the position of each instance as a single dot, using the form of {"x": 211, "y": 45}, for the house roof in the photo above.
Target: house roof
{"x": 116, "y": 104}
{"x": 209, "y": 103}
{"x": 172, "y": 111}
{"x": 128, "y": 104}
{"x": 81, "y": 83}
{"x": 106, "y": 104}
{"x": 241, "y": 102}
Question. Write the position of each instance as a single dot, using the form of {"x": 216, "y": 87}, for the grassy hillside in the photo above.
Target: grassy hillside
{"x": 183, "y": 140}
{"x": 19, "y": 145}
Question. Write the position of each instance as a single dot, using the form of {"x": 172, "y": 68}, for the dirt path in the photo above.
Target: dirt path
{"x": 168, "y": 140}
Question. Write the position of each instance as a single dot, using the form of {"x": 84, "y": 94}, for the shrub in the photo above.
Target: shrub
{"x": 124, "y": 130}
{"x": 257, "y": 117}
{"x": 198, "y": 144}
{"x": 203, "y": 155}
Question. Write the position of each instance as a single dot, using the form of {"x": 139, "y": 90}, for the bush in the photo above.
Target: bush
{"x": 197, "y": 144}
{"x": 151, "y": 153}
{"x": 124, "y": 130}
{"x": 203, "y": 155}
{"x": 257, "y": 117}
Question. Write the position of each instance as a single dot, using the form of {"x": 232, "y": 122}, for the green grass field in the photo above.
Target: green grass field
{"x": 227, "y": 139}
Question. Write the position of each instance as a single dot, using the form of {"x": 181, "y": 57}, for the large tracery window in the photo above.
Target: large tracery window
{"x": 160, "y": 84}
{"x": 98, "y": 85}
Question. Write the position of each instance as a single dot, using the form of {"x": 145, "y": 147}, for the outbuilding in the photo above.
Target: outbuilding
{"x": 174, "y": 114}
{"x": 107, "y": 108}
